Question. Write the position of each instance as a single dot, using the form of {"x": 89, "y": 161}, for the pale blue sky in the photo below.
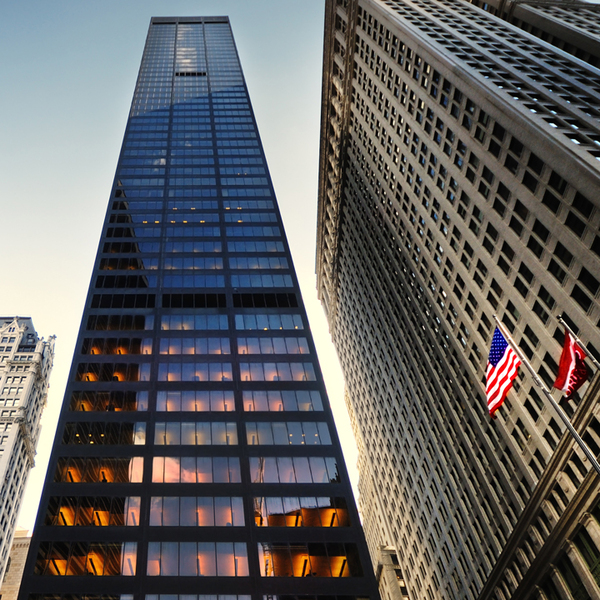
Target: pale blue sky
{"x": 68, "y": 69}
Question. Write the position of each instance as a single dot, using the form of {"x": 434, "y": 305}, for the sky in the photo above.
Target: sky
{"x": 68, "y": 70}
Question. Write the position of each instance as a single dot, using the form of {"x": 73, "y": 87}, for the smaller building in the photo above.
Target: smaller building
{"x": 25, "y": 365}
{"x": 9, "y": 589}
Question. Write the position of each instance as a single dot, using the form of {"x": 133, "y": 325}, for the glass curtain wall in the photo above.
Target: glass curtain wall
{"x": 196, "y": 439}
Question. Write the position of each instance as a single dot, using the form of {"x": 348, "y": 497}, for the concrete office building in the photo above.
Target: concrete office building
{"x": 25, "y": 366}
{"x": 196, "y": 455}
{"x": 459, "y": 179}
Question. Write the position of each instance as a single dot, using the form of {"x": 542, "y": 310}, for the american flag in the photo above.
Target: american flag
{"x": 502, "y": 368}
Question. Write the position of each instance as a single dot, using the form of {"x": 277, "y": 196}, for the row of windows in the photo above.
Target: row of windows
{"x": 189, "y": 191}
{"x": 201, "y": 511}
{"x": 99, "y": 511}
{"x": 197, "y": 469}
{"x": 273, "y": 345}
{"x": 195, "y": 401}
{"x": 263, "y": 322}
{"x": 255, "y": 300}
{"x": 173, "y": 433}
{"x": 301, "y": 512}
{"x": 105, "y": 433}
{"x": 194, "y": 323}
{"x": 117, "y": 346}
{"x": 309, "y": 560}
{"x": 191, "y": 231}
{"x": 86, "y": 558}
{"x": 290, "y": 433}
{"x": 267, "y": 322}
{"x": 196, "y": 371}
{"x": 192, "y": 263}
{"x": 190, "y": 247}
{"x": 196, "y": 511}
{"x": 198, "y": 401}
{"x": 197, "y": 559}
{"x": 246, "y": 300}
{"x": 194, "y": 346}
{"x": 207, "y": 559}
{"x": 11, "y": 391}
{"x": 195, "y": 434}
{"x": 281, "y": 469}
{"x": 223, "y": 401}
{"x": 193, "y": 281}
{"x": 260, "y": 281}
{"x": 114, "y": 401}
{"x": 113, "y": 372}
{"x": 314, "y": 469}
{"x": 178, "y": 216}
{"x": 125, "y": 322}
{"x": 279, "y": 371}
{"x": 251, "y": 246}
{"x": 258, "y": 262}
{"x": 100, "y": 470}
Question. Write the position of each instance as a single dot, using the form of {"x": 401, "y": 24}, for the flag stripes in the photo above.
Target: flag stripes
{"x": 502, "y": 368}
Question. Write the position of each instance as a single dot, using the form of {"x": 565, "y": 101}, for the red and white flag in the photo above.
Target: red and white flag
{"x": 502, "y": 368}
{"x": 572, "y": 372}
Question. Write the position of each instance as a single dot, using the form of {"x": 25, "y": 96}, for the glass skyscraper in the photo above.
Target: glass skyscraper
{"x": 196, "y": 455}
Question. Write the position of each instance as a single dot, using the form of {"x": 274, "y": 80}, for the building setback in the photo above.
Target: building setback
{"x": 459, "y": 179}
{"x": 196, "y": 455}
{"x": 25, "y": 366}
{"x": 571, "y": 26}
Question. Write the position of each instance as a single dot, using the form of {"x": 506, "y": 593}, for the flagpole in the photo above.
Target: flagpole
{"x": 579, "y": 342}
{"x": 552, "y": 401}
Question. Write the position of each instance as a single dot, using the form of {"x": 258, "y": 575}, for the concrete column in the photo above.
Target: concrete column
{"x": 560, "y": 584}
{"x": 539, "y": 595}
{"x": 592, "y": 527}
{"x": 582, "y": 570}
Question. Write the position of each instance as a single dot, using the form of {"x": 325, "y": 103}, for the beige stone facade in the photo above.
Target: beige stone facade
{"x": 459, "y": 181}
{"x": 9, "y": 590}
{"x": 25, "y": 366}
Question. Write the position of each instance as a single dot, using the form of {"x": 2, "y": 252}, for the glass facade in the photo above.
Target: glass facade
{"x": 193, "y": 271}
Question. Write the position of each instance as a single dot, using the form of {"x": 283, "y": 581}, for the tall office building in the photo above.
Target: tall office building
{"x": 196, "y": 455}
{"x": 25, "y": 366}
{"x": 459, "y": 179}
